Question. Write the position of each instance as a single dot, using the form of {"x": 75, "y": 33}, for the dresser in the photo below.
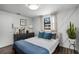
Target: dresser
{"x": 23, "y": 36}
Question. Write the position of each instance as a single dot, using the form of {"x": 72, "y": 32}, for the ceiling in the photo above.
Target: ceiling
{"x": 43, "y": 9}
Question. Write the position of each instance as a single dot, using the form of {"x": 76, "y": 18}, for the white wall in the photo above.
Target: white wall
{"x": 6, "y": 31}
{"x": 36, "y": 22}
{"x": 17, "y": 21}
{"x": 62, "y": 24}
{"x": 63, "y": 21}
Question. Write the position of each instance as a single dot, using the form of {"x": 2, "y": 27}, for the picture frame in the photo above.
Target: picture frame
{"x": 47, "y": 20}
{"x": 22, "y": 22}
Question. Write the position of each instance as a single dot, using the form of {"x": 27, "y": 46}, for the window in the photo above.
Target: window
{"x": 49, "y": 23}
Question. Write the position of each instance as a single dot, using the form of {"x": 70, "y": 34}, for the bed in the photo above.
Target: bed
{"x": 36, "y": 45}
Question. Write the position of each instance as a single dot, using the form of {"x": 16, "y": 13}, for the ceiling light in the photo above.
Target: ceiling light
{"x": 33, "y": 6}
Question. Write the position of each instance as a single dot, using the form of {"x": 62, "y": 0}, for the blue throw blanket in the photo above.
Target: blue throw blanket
{"x": 29, "y": 48}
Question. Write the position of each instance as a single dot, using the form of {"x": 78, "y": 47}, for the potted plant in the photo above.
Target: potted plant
{"x": 71, "y": 31}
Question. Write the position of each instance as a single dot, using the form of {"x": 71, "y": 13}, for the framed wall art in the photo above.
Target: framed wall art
{"x": 22, "y": 22}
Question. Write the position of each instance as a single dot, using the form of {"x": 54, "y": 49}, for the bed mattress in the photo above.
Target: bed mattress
{"x": 48, "y": 44}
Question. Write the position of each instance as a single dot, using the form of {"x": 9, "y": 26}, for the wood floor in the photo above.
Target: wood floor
{"x": 62, "y": 50}
{"x": 59, "y": 50}
{"x": 6, "y": 50}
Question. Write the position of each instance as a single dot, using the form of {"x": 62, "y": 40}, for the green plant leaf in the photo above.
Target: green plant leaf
{"x": 71, "y": 31}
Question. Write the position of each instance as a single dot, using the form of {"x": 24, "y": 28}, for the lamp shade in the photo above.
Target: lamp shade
{"x": 30, "y": 26}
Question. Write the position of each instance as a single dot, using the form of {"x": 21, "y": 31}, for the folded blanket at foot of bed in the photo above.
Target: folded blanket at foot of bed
{"x": 24, "y": 47}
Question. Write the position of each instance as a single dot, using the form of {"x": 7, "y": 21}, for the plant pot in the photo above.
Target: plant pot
{"x": 72, "y": 41}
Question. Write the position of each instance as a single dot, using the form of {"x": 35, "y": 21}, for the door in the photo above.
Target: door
{"x": 6, "y": 31}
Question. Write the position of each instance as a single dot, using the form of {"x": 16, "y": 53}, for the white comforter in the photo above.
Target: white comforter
{"x": 48, "y": 44}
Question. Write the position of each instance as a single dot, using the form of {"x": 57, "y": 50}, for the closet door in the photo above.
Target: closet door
{"x": 6, "y": 31}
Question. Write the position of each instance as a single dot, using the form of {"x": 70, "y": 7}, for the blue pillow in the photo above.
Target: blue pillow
{"x": 47, "y": 35}
{"x": 41, "y": 34}
{"x": 54, "y": 36}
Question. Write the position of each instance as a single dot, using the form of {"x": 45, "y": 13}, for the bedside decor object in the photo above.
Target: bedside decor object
{"x": 21, "y": 30}
{"x": 22, "y": 22}
{"x": 71, "y": 31}
{"x": 27, "y": 31}
{"x": 30, "y": 26}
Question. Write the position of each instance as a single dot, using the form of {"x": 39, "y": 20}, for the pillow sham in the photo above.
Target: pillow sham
{"x": 47, "y": 35}
{"x": 54, "y": 36}
{"x": 41, "y": 34}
